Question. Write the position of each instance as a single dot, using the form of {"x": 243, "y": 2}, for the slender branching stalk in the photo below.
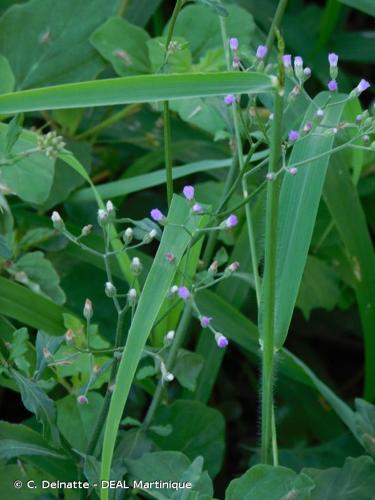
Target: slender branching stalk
{"x": 269, "y": 282}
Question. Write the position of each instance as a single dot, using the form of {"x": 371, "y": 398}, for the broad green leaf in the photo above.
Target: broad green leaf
{"x": 18, "y": 348}
{"x": 366, "y": 6}
{"x": 25, "y": 472}
{"x": 46, "y": 42}
{"x": 30, "y": 177}
{"x": 124, "y": 45}
{"x": 345, "y": 207}
{"x": 37, "y": 273}
{"x": 319, "y": 287}
{"x": 298, "y": 206}
{"x": 197, "y": 430}
{"x": 30, "y": 308}
{"x": 354, "y": 481}
{"x": 140, "y": 11}
{"x": 201, "y": 27}
{"x": 37, "y": 401}
{"x": 158, "y": 282}
{"x": 187, "y": 368}
{"x": 144, "y": 88}
{"x": 263, "y": 482}
{"x": 10, "y": 448}
{"x": 77, "y": 421}
{"x": 168, "y": 466}
{"x": 17, "y": 439}
{"x": 7, "y": 77}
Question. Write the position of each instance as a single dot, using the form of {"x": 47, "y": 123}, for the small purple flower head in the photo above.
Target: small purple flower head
{"x": 205, "y": 321}
{"x": 307, "y": 127}
{"x": 261, "y": 52}
{"x": 332, "y": 86}
{"x": 156, "y": 215}
{"x": 233, "y": 43}
{"x": 188, "y": 192}
{"x": 287, "y": 61}
{"x": 221, "y": 340}
{"x": 197, "y": 208}
{"x": 184, "y": 293}
{"x": 333, "y": 59}
{"x": 307, "y": 72}
{"x": 231, "y": 221}
{"x": 82, "y": 400}
{"x": 362, "y": 86}
{"x": 229, "y": 99}
{"x": 298, "y": 62}
{"x": 293, "y": 135}
{"x": 293, "y": 171}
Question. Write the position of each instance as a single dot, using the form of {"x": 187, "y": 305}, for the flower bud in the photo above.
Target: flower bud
{"x": 233, "y": 267}
{"x": 150, "y": 236}
{"x": 57, "y": 221}
{"x": 110, "y": 289}
{"x": 82, "y": 400}
{"x": 128, "y": 235}
{"x": 221, "y": 340}
{"x": 69, "y": 335}
{"x": 213, "y": 267}
{"x": 102, "y": 217}
{"x": 86, "y": 230}
{"x": 298, "y": 67}
{"x": 136, "y": 266}
{"x": 87, "y": 310}
{"x": 173, "y": 290}
{"x": 110, "y": 208}
{"x": 170, "y": 336}
{"x": 132, "y": 296}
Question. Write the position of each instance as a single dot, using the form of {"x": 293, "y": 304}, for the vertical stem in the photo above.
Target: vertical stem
{"x": 269, "y": 282}
{"x": 245, "y": 193}
{"x": 275, "y": 23}
{"x": 176, "y": 344}
{"x": 166, "y": 114}
{"x": 168, "y": 151}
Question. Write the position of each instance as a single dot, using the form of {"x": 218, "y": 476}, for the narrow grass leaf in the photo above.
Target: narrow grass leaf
{"x": 158, "y": 282}
{"x": 126, "y": 90}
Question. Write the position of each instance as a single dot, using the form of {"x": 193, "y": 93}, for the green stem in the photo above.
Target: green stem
{"x": 275, "y": 23}
{"x": 245, "y": 193}
{"x": 176, "y": 344}
{"x": 269, "y": 284}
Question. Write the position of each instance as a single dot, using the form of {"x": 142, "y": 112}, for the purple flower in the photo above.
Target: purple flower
{"x": 293, "y": 135}
{"x": 82, "y": 400}
{"x": 332, "y": 86}
{"x": 188, "y": 192}
{"x": 233, "y": 43}
{"x": 157, "y": 215}
{"x": 307, "y": 72}
{"x": 261, "y": 52}
{"x": 287, "y": 60}
{"x": 298, "y": 62}
{"x": 205, "y": 321}
{"x": 229, "y": 99}
{"x": 221, "y": 340}
{"x": 362, "y": 86}
{"x": 183, "y": 293}
{"x": 231, "y": 221}
{"x": 333, "y": 59}
{"x": 197, "y": 208}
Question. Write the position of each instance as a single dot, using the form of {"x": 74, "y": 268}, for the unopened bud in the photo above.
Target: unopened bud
{"x": 57, "y": 221}
{"x": 128, "y": 235}
{"x": 292, "y": 171}
{"x": 69, "y": 336}
{"x": 136, "y": 266}
{"x": 270, "y": 176}
{"x": 132, "y": 296}
{"x": 110, "y": 289}
{"x": 213, "y": 267}
{"x": 173, "y": 290}
{"x": 233, "y": 266}
{"x": 46, "y": 353}
{"x": 170, "y": 335}
{"x": 102, "y": 216}
{"x": 149, "y": 236}
{"x": 87, "y": 310}
{"x": 86, "y": 230}
{"x": 110, "y": 208}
